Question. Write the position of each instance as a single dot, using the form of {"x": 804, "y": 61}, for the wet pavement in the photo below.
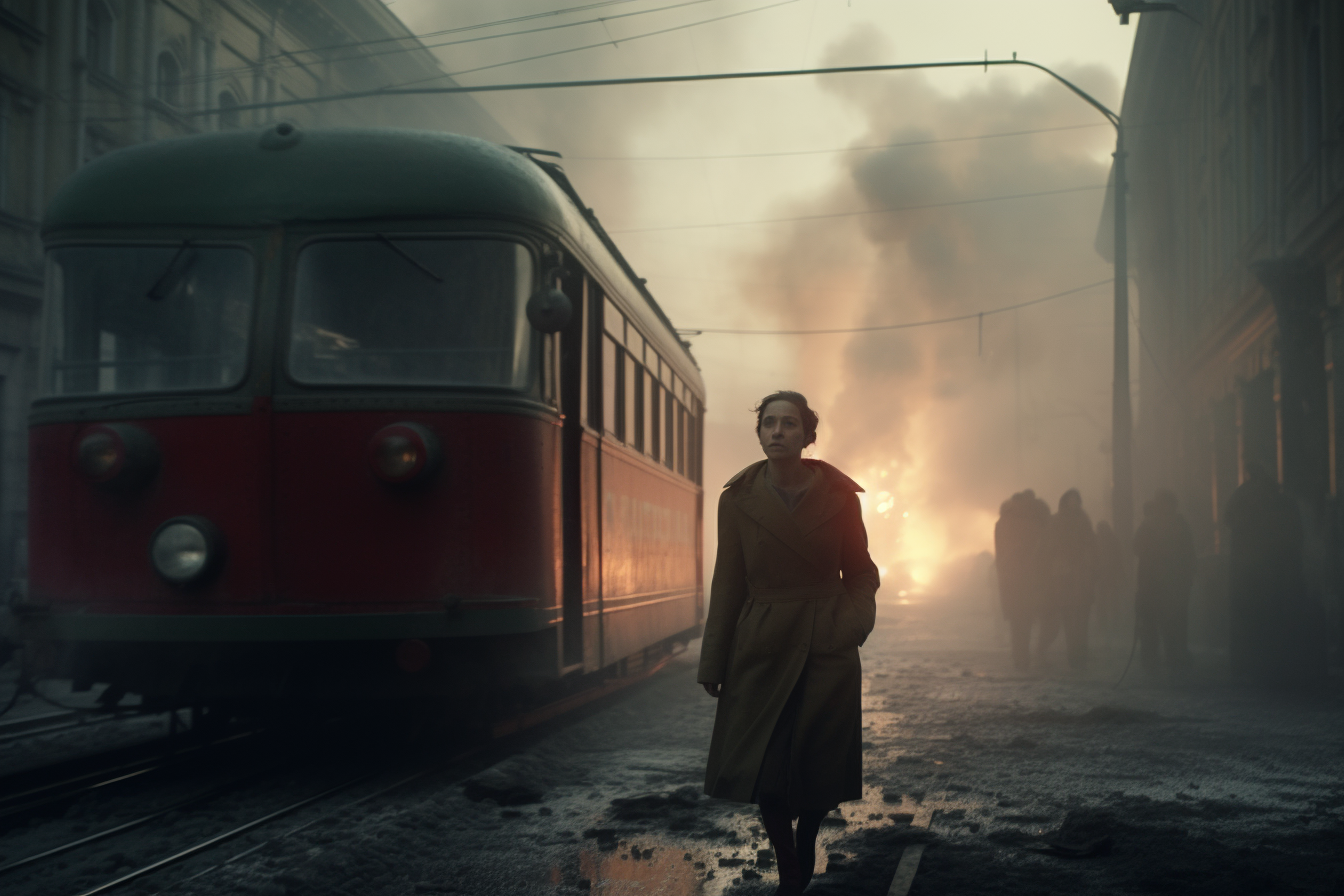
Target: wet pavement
{"x": 1210, "y": 788}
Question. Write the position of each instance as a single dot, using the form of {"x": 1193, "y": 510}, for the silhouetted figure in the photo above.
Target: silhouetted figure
{"x": 1069, "y": 555}
{"x": 1017, "y": 555}
{"x": 1268, "y": 608}
{"x": 1165, "y": 548}
{"x": 1110, "y": 578}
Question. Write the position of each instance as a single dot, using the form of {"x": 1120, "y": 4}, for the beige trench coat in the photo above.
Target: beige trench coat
{"x": 792, "y": 597}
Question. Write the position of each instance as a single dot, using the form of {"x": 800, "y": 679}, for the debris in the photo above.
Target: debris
{"x": 1098, "y": 846}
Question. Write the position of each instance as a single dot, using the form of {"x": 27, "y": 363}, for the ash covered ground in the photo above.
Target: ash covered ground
{"x": 1210, "y": 788}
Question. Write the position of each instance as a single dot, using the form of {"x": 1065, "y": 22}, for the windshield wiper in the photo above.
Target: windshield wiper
{"x": 173, "y": 275}
{"x": 404, "y": 254}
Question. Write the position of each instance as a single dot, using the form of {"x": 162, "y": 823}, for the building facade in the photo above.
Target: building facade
{"x": 1235, "y": 133}
{"x": 81, "y": 77}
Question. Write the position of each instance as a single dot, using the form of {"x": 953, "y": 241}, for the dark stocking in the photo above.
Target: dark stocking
{"x": 778, "y": 823}
{"x": 809, "y": 822}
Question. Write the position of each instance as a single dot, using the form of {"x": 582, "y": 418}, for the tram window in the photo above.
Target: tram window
{"x": 413, "y": 311}
{"x": 649, "y": 442}
{"x": 681, "y": 439}
{"x": 585, "y": 346}
{"x": 655, "y": 420}
{"x": 669, "y": 430}
{"x": 630, "y": 389}
{"x": 640, "y": 389}
{"x": 610, "y": 385}
{"x": 613, "y": 320}
{"x": 147, "y": 318}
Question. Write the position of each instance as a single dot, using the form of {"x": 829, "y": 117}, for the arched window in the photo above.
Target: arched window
{"x": 100, "y": 36}
{"x": 168, "y": 79}
{"x": 229, "y": 116}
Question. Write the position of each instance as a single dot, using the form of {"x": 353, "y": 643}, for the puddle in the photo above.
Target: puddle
{"x": 641, "y": 869}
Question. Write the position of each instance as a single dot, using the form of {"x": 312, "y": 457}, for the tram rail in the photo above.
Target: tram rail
{"x": 501, "y": 732}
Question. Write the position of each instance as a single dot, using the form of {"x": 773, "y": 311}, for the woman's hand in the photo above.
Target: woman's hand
{"x": 713, "y": 689}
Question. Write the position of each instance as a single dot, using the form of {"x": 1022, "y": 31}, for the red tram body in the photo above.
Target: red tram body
{"x": 308, "y": 430}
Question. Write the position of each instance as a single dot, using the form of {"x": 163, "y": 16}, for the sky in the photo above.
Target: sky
{"x": 842, "y": 201}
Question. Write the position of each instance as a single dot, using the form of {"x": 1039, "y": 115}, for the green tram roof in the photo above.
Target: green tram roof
{"x": 258, "y": 178}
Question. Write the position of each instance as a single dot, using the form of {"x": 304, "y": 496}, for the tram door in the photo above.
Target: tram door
{"x": 574, "y": 483}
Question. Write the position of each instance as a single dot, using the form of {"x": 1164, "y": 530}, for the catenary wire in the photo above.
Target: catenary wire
{"x": 299, "y": 63}
{"x": 816, "y": 152}
{"x": 875, "y": 211}
{"x": 410, "y": 86}
{"x": 1111, "y": 116}
{"x": 605, "y": 43}
{"x": 905, "y": 326}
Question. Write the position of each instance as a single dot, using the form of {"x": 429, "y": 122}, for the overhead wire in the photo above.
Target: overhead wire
{"x": 688, "y": 331}
{"x": 298, "y": 63}
{"x": 875, "y": 211}
{"x": 601, "y": 4}
{"x": 814, "y": 152}
{"x": 605, "y": 43}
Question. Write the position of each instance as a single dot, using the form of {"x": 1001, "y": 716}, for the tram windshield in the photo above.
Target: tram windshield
{"x": 389, "y": 310}
{"x": 146, "y": 318}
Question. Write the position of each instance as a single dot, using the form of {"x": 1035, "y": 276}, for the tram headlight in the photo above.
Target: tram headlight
{"x": 186, "y": 550}
{"x": 117, "y": 455}
{"x": 404, "y": 452}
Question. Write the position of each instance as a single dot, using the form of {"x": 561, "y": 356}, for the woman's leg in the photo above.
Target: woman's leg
{"x": 809, "y": 822}
{"x": 778, "y": 821}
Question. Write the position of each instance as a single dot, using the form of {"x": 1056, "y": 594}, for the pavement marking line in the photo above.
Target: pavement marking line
{"x": 909, "y": 864}
{"x": 905, "y": 871}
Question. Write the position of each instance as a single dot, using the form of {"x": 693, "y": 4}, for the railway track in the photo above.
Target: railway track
{"x": 61, "y": 784}
{"x": 499, "y": 735}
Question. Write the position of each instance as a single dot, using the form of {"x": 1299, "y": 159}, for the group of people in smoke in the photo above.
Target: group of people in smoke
{"x": 1053, "y": 569}
{"x": 1049, "y": 567}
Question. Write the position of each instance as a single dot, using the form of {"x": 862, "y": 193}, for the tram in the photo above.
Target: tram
{"x": 351, "y": 413}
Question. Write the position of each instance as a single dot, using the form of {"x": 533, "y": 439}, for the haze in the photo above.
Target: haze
{"x": 939, "y": 423}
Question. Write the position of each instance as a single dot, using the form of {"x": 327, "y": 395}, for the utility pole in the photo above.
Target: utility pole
{"x": 1122, "y": 420}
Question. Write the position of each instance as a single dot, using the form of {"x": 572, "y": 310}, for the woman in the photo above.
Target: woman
{"x": 791, "y": 601}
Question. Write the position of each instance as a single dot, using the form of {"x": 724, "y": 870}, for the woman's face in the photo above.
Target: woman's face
{"x": 781, "y": 431}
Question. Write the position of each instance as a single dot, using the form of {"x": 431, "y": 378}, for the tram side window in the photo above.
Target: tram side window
{"x": 655, "y": 418}
{"x": 669, "y": 430}
{"x": 611, "y": 358}
{"x": 681, "y": 439}
{"x": 634, "y": 378}
{"x": 648, "y": 444}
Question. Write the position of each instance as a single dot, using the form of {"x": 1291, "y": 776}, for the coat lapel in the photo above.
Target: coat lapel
{"x": 757, "y": 501}
{"x": 823, "y": 500}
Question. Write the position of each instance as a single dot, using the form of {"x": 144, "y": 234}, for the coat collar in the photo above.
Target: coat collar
{"x": 824, "y": 499}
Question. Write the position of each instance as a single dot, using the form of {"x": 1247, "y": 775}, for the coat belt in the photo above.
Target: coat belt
{"x": 816, "y": 591}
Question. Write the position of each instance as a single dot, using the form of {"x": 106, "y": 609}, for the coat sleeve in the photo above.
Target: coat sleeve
{"x": 859, "y": 572}
{"x": 727, "y": 593}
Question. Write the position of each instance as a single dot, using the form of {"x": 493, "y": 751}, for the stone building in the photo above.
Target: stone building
{"x": 81, "y": 77}
{"x": 1235, "y": 132}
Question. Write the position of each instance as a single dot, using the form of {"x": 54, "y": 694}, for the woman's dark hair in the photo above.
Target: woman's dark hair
{"x": 809, "y": 416}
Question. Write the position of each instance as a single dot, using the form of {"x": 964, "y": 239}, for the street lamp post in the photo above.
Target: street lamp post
{"x": 1122, "y": 508}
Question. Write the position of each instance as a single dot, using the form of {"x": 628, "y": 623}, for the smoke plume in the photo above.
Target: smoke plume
{"x": 941, "y": 423}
